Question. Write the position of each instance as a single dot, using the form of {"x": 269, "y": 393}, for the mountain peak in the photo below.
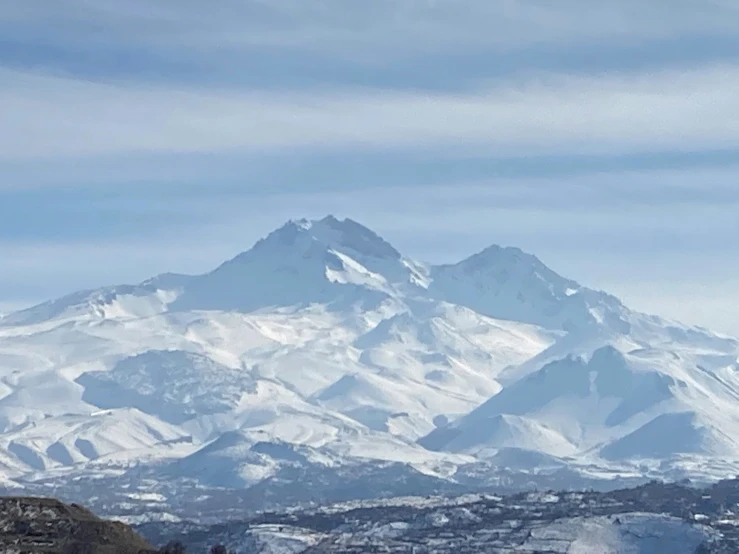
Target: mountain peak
{"x": 347, "y": 236}
{"x": 508, "y": 283}
{"x": 303, "y": 262}
{"x": 331, "y": 219}
{"x": 350, "y": 234}
{"x": 498, "y": 250}
{"x": 286, "y": 235}
{"x": 507, "y": 258}
{"x": 324, "y": 337}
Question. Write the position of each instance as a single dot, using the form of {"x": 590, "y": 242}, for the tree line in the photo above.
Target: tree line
{"x": 177, "y": 547}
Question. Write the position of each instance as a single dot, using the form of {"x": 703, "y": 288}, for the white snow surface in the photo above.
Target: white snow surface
{"x": 324, "y": 337}
{"x": 633, "y": 534}
{"x": 629, "y": 533}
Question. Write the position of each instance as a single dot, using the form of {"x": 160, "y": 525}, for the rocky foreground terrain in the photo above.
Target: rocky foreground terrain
{"x": 655, "y": 518}
{"x": 47, "y": 526}
{"x": 652, "y": 519}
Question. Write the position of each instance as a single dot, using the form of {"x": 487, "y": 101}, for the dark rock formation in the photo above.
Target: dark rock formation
{"x": 48, "y": 526}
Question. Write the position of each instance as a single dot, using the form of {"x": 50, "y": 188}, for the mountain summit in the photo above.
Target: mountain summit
{"x": 323, "y": 349}
{"x": 347, "y": 235}
{"x": 331, "y": 261}
{"x": 301, "y": 263}
{"x": 507, "y": 283}
{"x": 343, "y": 263}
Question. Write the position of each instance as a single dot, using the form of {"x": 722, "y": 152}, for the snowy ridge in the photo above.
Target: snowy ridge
{"x": 651, "y": 404}
{"x": 327, "y": 342}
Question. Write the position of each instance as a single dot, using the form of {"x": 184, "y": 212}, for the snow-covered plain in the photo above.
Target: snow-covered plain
{"x": 323, "y": 344}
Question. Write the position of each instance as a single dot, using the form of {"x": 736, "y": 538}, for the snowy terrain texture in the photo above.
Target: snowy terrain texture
{"x": 651, "y": 519}
{"x": 324, "y": 347}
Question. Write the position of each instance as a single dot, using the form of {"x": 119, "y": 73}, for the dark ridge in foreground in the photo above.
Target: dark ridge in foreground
{"x": 47, "y": 526}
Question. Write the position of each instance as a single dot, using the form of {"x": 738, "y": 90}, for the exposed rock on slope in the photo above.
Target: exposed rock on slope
{"x": 42, "y": 525}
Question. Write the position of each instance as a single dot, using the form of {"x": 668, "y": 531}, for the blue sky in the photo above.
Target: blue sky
{"x": 138, "y": 137}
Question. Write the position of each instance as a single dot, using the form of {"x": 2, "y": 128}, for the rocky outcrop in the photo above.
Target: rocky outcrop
{"x": 48, "y": 526}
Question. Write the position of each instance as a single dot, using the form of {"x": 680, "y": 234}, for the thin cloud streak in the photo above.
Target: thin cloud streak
{"x": 340, "y": 170}
{"x": 361, "y": 29}
{"x": 165, "y": 136}
{"x": 651, "y": 201}
{"x": 48, "y": 117}
{"x": 634, "y": 213}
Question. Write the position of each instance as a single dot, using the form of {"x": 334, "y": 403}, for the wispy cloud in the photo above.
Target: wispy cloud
{"x": 381, "y": 25}
{"x": 51, "y": 117}
{"x": 138, "y": 136}
{"x": 686, "y": 202}
{"x": 650, "y": 252}
{"x": 631, "y": 216}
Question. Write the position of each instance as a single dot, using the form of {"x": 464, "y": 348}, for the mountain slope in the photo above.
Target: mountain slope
{"x": 506, "y": 283}
{"x": 324, "y": 337}
{"x": 125, "y": 301}
{"x": 303, "y": 263}
{"x": 645, "y": 404}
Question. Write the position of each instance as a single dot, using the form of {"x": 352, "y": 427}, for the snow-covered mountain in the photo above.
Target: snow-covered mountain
{"x": 649, "y": 403}
{"x": 325, "y": 346}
